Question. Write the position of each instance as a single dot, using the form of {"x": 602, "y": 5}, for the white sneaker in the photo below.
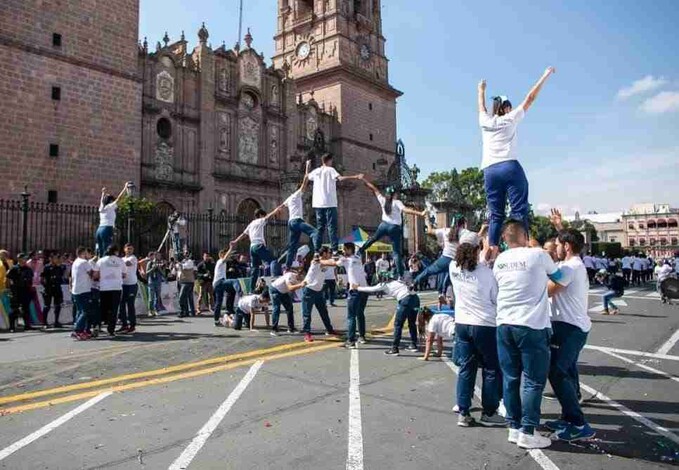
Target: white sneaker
{"x": 456, "y": 409}
{"x": 534, "y": 441}
{"x": 513, "y": 436}
{"x": 465, "y": 421}
{"x": 501, "y": 410}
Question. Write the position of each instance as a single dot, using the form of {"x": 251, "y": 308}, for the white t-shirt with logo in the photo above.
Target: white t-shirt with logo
{"x": 248, "y": 303}
{"x": 130, "y": 271}
{"x": 354, "y": 268}
{"x": 329, "y": 272}
{"x": 281, "y": 282}
{"x": 498, "y": 134}
{"x": 315, "y": 279}
{"x": 325, "y": 187}
{"x": 397, "y": 289}
{"x": 111, "y": 269}
{"x": 107, "y": 215}
{"x": 522, "y": 275}
{"x": 295, "y": 205}
{"x": 442, "y": 325}
{"x": 255, "y": 231}
{"x": 475, "y": 295}
{"x": 396, "y": 210}
{"x": 80, "y": 274}
{"x": 95, "y": 269}
{"x": 569, "y": 305}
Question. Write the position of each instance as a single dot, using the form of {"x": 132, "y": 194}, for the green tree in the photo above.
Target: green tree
{"x": 463, "y": 188}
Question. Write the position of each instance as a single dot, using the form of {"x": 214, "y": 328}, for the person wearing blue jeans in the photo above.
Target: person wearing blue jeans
{"x": 155, "y": 278}
{"x": 524, "y": 331}
{"x": 324, "y": 200}
{"x": 448, "y": 239}
{"x": 408, "y": 303}
{"x": 392, "y": 223}
{"x": 503, "y": 175}
{"x": 280, "y": 291}
{"x": 312, "y": 296}
{"x": 107, "y": 219}
{"x": 259, "y": 253}
{"x": 83, "y": 305}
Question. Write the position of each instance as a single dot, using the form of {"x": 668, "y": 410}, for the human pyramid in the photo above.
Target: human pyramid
{"x": 517, "y": 314}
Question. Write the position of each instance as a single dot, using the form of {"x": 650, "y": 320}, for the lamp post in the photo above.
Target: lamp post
{"x": 130, "y": 215}
{"x": 24, "y": 219}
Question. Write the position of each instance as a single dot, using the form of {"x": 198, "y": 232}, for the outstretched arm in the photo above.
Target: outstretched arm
{"x": 370, "y": 186}
{"x": 305, "y": 180}
{"x": 533, "y": 93}
{"x": 327, "y": 262}
{"x": 121, "y": 194}
{"x": 354, "y": 177}
{"x": 242, "y": 236}
{"x": 274, "y": 212}
{"x": 482, "y": 97}
{"x": 409, "y": 210}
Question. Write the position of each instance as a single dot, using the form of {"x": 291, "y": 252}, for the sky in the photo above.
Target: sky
{"x": 601, "y": 136}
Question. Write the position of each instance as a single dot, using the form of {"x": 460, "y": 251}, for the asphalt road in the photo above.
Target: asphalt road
{"x": 184, "y": 394}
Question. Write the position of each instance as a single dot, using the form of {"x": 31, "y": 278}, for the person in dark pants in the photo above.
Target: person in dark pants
{"x": 524, "y": 332}
{"x": 503, "y": 175}
{"x": 312, "y": 296}
{"x": 407, "y": 305}
{"x": 330, "y": 286}
{"x": 128, "y": 313}
{"x": 246, "y": 306}
{"x": 475, "y": 291}
{"x": 205, "y": 271}
{"x": 186, "y": 278}
{"x": 52, "y": 278}
{"x": 20, "y": 278}
{"x": 280, "y": 291}
{"x": 220, "y": 284}
{"x": 110, "y": 271}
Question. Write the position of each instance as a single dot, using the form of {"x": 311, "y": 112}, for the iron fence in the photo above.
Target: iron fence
{"x": 27, "y": 226}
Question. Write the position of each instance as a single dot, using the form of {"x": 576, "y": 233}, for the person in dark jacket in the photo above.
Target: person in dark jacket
{"x": 52, "y": 278}
{"x": 205, "y": 275}
{"x": 20, "y": 278}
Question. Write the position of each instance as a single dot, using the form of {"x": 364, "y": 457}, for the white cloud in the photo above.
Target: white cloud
{"x": 663, "y": 102}
{"x": 646, "y": 84}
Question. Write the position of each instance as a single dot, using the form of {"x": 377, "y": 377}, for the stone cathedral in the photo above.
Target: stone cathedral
{"x": 197, "y": 127}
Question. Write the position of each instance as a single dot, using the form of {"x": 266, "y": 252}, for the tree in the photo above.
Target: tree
{"x": 462, "y": 188}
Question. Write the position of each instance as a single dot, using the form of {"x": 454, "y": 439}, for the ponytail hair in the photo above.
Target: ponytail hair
{"x": 459, "y": 222}
{"x": 388, "y": 203}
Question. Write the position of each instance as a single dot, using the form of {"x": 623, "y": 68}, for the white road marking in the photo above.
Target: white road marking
{"x": 655, "y": 295}
{"x": 184, "y": 460}
{"x": 633, "y": 353}
{"x": 642, "y": 366}
{"x": 600, "y": 307}
{"x": 539, "y": 456}
{"x": 632, "y": 414}
{"x": 7, "y": 451}
{"x": 355, "y": 446}
{"x": 669, "y": 344}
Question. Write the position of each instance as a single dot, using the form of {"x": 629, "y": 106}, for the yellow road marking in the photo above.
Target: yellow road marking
{"x": 151, "y": 373}
{"x": 163, "y": 380}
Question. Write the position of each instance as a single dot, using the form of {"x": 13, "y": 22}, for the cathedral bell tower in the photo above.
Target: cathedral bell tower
{"x": 335, "y": 52}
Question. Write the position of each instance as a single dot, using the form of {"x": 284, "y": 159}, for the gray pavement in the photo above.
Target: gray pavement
{"x": 294, "y": 413}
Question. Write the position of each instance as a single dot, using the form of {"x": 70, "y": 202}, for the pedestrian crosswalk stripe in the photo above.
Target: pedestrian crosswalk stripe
{"x": 653, "y": 294}
{"x": 598, "y": 308}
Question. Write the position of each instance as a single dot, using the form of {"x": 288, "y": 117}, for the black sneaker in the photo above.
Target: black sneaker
{"x": 350, "y": 345}
{"x": 58, "y": 325}
{"x": 391, "y": 352}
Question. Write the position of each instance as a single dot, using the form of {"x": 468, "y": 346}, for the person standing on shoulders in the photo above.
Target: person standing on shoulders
{"x": 107, "y": 219}
{"x": 503, "y": 175}
{"x": 127, "y": 312}
{"x": 524, "y": 331}
{"x": 296, "y": 224}
{"x": 324, "y": 200}
{"x": 570, "y": 326}
{"x": 476, "y": 291}
{"x": 391, "y": 225}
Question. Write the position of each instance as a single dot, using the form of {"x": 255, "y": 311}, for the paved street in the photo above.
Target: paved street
{"x": 184, "y": 394}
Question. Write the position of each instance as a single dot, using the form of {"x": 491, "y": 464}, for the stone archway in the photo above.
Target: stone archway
{"x": 246, "y": 208}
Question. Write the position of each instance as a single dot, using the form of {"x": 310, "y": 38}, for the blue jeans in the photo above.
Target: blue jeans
{"x": 186, "y": 302}
{"x": 94, "y": 319}
{"x": 326, "y": 217}
{"x": 258, "y": 254}
{"x": 437, "y": 267}
{"x": 567, "y": 342}
{"x": 502, "y": 180}
{"x": 83, "y": 305}
{"x": 278, "y": 299}
{"x": 240, "y": 316}
{"x": 127, "y": 312}
{"x": 477, "y": 346}
{"x": 177, "y": 244}
{"x": 330, "y": 290}
{"x": 220, "y": 289}
{"x": 406, "y": 309}
{"x": 394, "y": 233}
{"x": 296, "y": 228}
{"x": 523, "y": 352}
{"x": 607, "y": 299}
{"x": 155, "y": 295}
{"x": 356, "y": 312}
{"x": 104, "y": 238}
{"x": 310, "y": 299}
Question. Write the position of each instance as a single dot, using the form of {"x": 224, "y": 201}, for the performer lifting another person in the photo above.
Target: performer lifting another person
{"x": 391, "y": 224}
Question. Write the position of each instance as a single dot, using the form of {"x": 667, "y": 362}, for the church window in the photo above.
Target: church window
{"x": 54, "y": 150}
{"x": 164, "y": 128}
{"x": 56, "y": 39}
{"x": 370, "y": 106}
{"x": 52, "y": 196}
{"x": 56, "y": 93}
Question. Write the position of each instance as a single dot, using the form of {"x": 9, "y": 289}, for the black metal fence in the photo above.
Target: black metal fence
{"x": 27, "y": 226}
